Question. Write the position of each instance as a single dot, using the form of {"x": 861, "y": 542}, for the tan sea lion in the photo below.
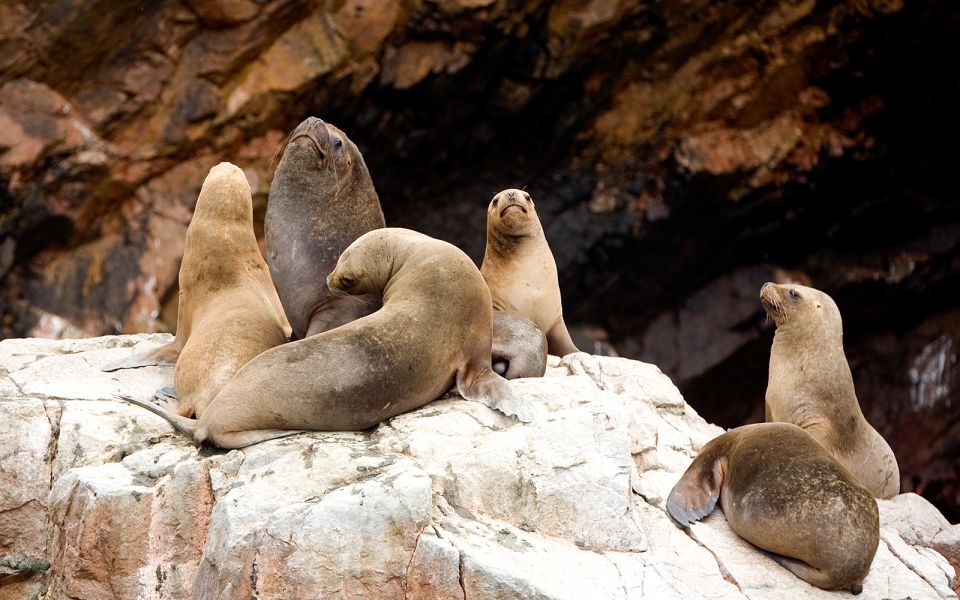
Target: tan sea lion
{"x": 810, "y": 385}
{"x": 228, "y": 309}
{"x": 520, "y": 270}
{"x": 781, "y": 491}
{"x": 433, "y": 331}
{"x": 321, "y": 199}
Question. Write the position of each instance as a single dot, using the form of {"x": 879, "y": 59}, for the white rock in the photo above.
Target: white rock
{"x": 449, "y": 500}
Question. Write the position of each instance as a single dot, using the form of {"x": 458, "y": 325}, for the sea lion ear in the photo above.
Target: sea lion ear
{"x": 819, "y": 305}
{"x": 697, "y": 492}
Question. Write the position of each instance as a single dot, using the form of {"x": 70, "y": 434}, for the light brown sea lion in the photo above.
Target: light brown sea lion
{"x": 433, "y": 331}
{"x": 809, "y": 384}
{"x": 520, "y": 270}
{"x": 228, "y": 309}
{"x": 781, "y": 491}
{"x": 321, "y": 199}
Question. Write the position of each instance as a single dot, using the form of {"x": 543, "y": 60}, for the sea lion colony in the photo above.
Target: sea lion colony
{"x": 385, "y": 320}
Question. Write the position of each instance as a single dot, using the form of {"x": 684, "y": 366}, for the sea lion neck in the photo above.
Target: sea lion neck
{"x": 500, "y": 243}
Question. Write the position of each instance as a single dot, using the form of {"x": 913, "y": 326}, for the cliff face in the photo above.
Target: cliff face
{"x": 680, "y": 154}
{"x": 103, "y": 500}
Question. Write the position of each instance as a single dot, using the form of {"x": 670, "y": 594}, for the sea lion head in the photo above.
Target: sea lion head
{"x": 225, "y": 196}
{"x": 368, "y": 264}
{"x": 798, "y": 307}
{"x": 322, "y": 153}
{"x": 511, "y": 212}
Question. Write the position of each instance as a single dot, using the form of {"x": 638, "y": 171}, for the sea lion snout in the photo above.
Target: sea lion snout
{"x": 508, "y": 205}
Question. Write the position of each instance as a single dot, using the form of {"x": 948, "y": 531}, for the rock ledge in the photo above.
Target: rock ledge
{"x": 450, "y": 501}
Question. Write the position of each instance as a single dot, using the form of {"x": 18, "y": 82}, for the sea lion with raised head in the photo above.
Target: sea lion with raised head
{"x": 433, "y": 331}
{"x": 809, "y": 384}
{"x": 520, "y": 270}
{"x": 321, "y": 199}
{"x": 228, "y": 309}
{"x": 781, "y": 491}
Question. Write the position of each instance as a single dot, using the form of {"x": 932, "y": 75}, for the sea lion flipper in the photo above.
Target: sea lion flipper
{"x": 486, "y": 387}
{"x": 810, "y": 574}
{"x": 184, "y": 425}
{"x": 341, "y": 310}
{"x": 559, "y": 340}
{"x": 697, "y": 492}
{"x": 164, "y": 356}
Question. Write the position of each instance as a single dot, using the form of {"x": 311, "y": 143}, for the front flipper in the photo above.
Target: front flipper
{"x": 697, "y": 492}
{"x": 559, "y": 340}
{"x": 519, "y": 347}
{"x": 486, "y": 387}
{"x": 164, "y": 356}
{"x": 339, "y": 310}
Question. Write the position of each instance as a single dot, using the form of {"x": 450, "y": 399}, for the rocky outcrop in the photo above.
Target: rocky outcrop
{"x": 450, "y": 501}
{"x": 680, "y": 155}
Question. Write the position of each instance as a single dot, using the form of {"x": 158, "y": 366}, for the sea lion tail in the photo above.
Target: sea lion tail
{"x": 164, "y": 356}
{"x": 186, "y": 426}
{"x": 488, "y": 388}
{"x": 697, "y": 492}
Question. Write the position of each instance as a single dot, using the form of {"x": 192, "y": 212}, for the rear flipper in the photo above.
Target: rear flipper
{"x": 200, "y": 433}
{"x": 486, "y": 387}
{"x": 697, "y": 492}
{"x": 186, "y": 426}
{"x": 519, "y": 347}
{"x": 814, "y": 576}
{"x": 164, "y": 356}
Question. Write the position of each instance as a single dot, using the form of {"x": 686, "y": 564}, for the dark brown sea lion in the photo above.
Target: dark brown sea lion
{"x": 781, "y": 491}
{"x": 228, "y": 309}
{"x": 520, "y": 270}
{"x": 433, "y": 331}
{"x": 321, "y": 199}
{"x": 810, "y": 385}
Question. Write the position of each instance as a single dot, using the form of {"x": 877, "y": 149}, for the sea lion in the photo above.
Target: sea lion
{"x": 520, "y": 270}
{"x": 321, "y": 199}
{"x": 228, "y": 309}
{"x": 519, "y": 347}
{"x": 809, "y": 384}
{"x": 781, "y": 491}
{"x": 433, "y": 331}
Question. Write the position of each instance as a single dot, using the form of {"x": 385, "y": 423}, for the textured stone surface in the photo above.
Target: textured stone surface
{"x": 450, "y": 501}
{"x": 678, "y": 153}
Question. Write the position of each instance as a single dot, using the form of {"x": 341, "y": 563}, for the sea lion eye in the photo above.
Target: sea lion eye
{"x": 346, "y": 282}
{"x": 338, "y": 144}
{"x": 527, "y": 196}
{"x": 495, "y": 202}
{"x": 795, "y": 294}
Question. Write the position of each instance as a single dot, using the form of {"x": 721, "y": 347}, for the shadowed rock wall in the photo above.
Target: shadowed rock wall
{"x": 680, "y": 154}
